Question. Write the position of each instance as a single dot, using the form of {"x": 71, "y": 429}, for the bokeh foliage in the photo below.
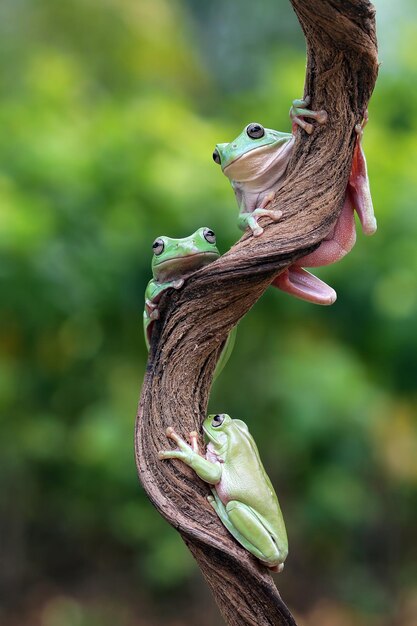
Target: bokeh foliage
{"x": 109, "y": 113}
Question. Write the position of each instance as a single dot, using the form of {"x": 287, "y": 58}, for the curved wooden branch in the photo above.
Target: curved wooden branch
{"x": 341, "y": 73}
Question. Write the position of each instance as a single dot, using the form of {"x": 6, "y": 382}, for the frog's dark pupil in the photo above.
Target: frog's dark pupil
{"x": 255, "y": 131}
{"x": 209, "y": 235}
{"x": 216, "y": 156}
{"x": 158, "y": 246}
{"x": 217, "y": 420}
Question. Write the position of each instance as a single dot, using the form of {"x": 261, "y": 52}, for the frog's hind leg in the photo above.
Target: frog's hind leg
{"x": 242, "y": 523}
{"x": 221, "y": 511}
{"x": 226, "y": 352}
{"x": 358, "y": 185}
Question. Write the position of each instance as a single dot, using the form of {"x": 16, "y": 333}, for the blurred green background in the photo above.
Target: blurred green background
{"x": 109, "y": 112}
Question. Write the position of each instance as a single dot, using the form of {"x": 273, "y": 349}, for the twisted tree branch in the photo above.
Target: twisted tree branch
{"x": 341, "y": 73}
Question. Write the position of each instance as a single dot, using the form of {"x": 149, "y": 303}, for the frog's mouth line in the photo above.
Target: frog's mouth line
{"x": 207, "y": 434}
{"x": 181, "y": 265}
{"x": 250, "y": 151}
{"x": 210, "y": 437}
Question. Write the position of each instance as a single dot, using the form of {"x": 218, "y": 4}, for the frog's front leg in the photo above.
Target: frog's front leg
{"x": 250, "y": 219}
{"x": 207, "y": 471}
{"x": 152, "y": 296}
{"x": 247, "y": 528}
{"x": 151, "y": 310}
{"x": 298, "y": 111}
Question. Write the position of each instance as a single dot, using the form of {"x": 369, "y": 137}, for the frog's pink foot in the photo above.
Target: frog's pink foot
{"x": 338, "y": 242}
{"x": 358, "y": 185}
{"x": 301, "y": 284}
{"x": 298, "y": 111}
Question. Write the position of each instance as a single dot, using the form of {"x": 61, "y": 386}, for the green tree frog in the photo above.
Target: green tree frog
{"x": 172, "y": 262}
{"x": 256, "y": 163}
{"x": 243, "y": 495}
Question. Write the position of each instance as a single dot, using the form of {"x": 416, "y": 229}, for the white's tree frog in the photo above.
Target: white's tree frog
{"x": 174, "y": 260}
{"x": 256, "y": 163}
{"x": 243, "y": 495}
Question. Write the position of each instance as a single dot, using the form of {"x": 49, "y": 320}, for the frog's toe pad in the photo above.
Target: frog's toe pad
{"x": 277, "y": 569}
{"x": 257, "y": 231}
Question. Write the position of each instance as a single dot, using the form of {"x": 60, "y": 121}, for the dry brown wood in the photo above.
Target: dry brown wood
{"x": 341, "y": 73}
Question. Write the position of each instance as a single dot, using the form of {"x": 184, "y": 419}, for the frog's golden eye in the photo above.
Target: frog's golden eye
{"x": 158, "y": 246}
{"x": 255, "y": 131}
{"x": 209, "y": 235}
{"x": 216, "y": 156}
{"x": 217, "y": 420}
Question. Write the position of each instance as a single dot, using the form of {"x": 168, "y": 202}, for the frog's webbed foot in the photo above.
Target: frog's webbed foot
{"x": 190, "y": 455}
{"x": 151, "y": 309}
{"x": 183, "y": 453}
{"x": 177, "y": 284}
{"x": 338, "y": 242}
{"x": 251, "y": 219}
{"x": 184, "y": 449}
{"x": 298, "y": 111}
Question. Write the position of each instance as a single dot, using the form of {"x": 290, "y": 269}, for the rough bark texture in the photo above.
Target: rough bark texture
{"x": 341, "y": 73}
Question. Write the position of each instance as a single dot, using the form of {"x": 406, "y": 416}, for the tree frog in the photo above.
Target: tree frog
{"x": 256, "y": 163}
{"x": 173, "y": 260}
{"x": 243, "y": 495}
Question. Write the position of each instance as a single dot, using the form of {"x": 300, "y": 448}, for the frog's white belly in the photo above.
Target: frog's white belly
{"x": 257, "y": 177}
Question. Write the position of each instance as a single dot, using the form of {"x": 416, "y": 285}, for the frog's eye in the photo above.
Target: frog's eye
{"x": 209, "y": 235}
{"x": 217, "y": 421}
{"x": 255, "y": 131}
{"x": 216, "y": 156}
{"x": 158, "y": 246}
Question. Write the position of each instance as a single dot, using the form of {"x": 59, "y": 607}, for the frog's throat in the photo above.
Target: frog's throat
{"x": 260, "y": 164}
{"x": 217, "y": 442}
{"x": 173, "y": 268}
{"x": 216, "y": 451}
